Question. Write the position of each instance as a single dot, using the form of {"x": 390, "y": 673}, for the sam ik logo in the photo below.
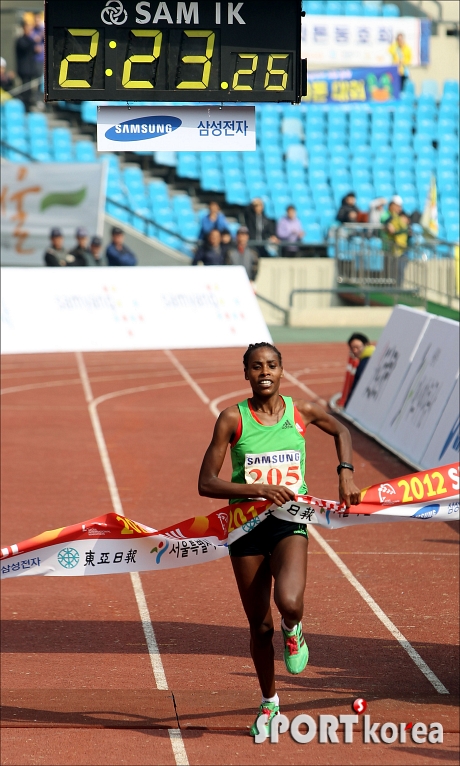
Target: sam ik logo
{"x": 326, "y": 730}
{"x": 186, "y": 13}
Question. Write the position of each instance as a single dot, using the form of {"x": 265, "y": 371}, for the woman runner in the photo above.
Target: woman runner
{"x": 272, "y": 426}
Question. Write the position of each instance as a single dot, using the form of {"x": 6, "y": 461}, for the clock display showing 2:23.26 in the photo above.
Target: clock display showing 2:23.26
{"x": 171, "y": 62}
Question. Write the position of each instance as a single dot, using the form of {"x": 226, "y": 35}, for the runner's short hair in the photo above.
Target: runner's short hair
{"x": 358, "y": 336}
{"x": 254, "y": 346}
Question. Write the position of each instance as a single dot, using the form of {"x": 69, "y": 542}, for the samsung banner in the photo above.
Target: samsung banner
{"x": 37, "y": 197}
{"x": 118, "y": 309}
{"x": 362, "y": 41}
{"x": 347, "y": 86}
{"x": 178, "y": 129}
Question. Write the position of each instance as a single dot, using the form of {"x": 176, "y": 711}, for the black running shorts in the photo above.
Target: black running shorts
{"x": 262, "y": 540}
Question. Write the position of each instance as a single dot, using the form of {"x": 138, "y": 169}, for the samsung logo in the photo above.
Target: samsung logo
{"x": 142, "y": 128}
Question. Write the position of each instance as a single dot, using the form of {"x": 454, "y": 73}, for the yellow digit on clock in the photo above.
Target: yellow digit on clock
{"x": 81, "y": 58}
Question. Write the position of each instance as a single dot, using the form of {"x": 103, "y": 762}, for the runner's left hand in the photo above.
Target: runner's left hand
{"x": 348, "y": 491}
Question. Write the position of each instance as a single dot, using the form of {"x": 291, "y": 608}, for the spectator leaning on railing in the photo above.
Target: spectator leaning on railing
{"x": 80, "y": 251}
{"x": 348, "y": 212}
{"x": 215, "y": 219}
{"x": 242, "y": 255}
{"x": 289, "y": 229}
{"x": 56, "y": 254}
{"x": 395, "y": 234}
{"x": 117, "y": 253}
{"x": 211, "y": 252}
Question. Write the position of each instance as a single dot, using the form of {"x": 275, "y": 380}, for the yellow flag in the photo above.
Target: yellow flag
{"x": 429, "y": 218}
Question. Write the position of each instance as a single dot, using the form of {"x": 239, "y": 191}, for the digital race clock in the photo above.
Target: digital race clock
{"x": 118, "y": 50}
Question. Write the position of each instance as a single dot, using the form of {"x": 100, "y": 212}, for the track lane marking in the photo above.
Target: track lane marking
{"x": 175, "y": 735}
{"x": 379, "y": 613}
{"x": 372, "y": 604}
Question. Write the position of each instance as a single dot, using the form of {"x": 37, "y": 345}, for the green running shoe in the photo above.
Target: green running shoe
{"x": 295, "y": 650}
{"x": 265, "y": 708}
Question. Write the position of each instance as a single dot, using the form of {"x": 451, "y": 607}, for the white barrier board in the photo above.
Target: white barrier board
{"x": 444, "y": 446}
{"x": 418, "y": 406}
{"x": 387, "y": 368}
{"x": 178, "y": 129}
{"x": 117, "y": 309}
{"x": 36, "y": 197}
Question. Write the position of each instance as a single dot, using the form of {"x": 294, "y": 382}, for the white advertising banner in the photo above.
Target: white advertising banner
{"x": 419, "y": 404}
{"x": 387, "y": 368}
{"x": 176, "y": 128}
{"x": 37, "y": 197}
{"x": 118, "y": 309}
{"x": 360, "y": 41}
{"x": 444, "y": 445}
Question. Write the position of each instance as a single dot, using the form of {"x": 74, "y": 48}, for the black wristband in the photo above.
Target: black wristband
{"x": 345, "y": 465}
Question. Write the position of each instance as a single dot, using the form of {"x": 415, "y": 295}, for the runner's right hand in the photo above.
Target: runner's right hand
{"x": 274, "y": 492}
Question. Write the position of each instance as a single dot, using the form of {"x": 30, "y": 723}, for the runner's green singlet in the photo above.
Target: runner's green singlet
{"x": 270, "y": 454}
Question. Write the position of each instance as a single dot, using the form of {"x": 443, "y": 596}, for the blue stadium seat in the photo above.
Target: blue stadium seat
{"x": 89, "y": 112}
{"x": 188, "y": 165}
{"x": 422, "y": 140}
{"x": 372, "y": 8}
{"x": 313, "y": 234}
{"x": 335, "y": 137}
{"x": 338, "y": 120}
{"x": 390, "y": 10}
{"x": 61, "y": 139}
{"x": 449, "y": 141}
{"x": 37, "y": 124}
{"x": 85, "y": 152}
{"x": 166, "y": 158}
{"x": 292, "y": 126}
{"x": 354, "y": 8}
{"x": 230, "y": 160}
{"x": 401, "y": 138}
{"x": 315, "y": 138}
{"x": 334, "y": 7}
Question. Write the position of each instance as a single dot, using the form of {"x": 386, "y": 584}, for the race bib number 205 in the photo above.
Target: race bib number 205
{"x": 274, "y": 468}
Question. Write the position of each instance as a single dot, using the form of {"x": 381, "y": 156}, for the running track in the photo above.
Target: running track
{"x": 85, "y": 679}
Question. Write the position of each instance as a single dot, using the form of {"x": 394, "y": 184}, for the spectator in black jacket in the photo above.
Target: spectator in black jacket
{"x": 26, "y": 63}
{"x": 117, "y": 253}
{"x": 95, "y": 248}
{"x": 80, "y": 251}
{"x": 212, "y": 252}
{"x": 260, "y": 227}
{"x": 56, "y": 254}
{"x": 348, "y": 212}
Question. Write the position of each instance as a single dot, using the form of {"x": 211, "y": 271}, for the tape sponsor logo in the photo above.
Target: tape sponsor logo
{"x": 427, "y": 512}
{"x": 142, "y": 128}
{"x": 385, "y": 490}
{"x": 68, "y": 558}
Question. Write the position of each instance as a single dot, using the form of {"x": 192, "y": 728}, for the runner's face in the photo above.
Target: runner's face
{"x": 264, "y": 372}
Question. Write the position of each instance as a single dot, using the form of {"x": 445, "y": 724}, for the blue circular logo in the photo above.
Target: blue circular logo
{"x": 68, "y": 558}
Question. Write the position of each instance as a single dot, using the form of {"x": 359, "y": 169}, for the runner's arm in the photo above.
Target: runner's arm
{"x": 313, "y": 413}
{"x": 209, "y": 484}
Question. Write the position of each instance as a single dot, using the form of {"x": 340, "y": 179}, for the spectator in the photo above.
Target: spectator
{"x": 348, "y": 212}
{"x": 56, "y": 254}
{"x": 212, "y": 252}
{"x": 215, "y": 219}
{"x": 377, "y": 208}
{"x": 260, "y": 227}
{"x": 402, "y": 57}
{"x": 289, "y": 229}
{"x": 117, "y": 253}
{"x": 38, "y": 36}
{"x": 26, "y": 66}
{"x": 95, "y": 249}
{"x": 362, "y": 349}
{"x": 242, "y": 255}
{"x": 6, "y": 79}
{"x": 395, "y": 235}
{"x": 80, "y": 251}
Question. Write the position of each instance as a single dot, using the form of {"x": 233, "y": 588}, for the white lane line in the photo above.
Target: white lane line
{"x": 402, "y": 640}
{"x": 199, "y": 391}
{"x": 213, "y": 405}
{"x": 31, "y": 386}
{"x": 178, "y": 747}
{"x": 175, "y": 736}
{"x": 152, "y": 646}
{"x": 308, "y": 391}
{"x": 413, "y": 654}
